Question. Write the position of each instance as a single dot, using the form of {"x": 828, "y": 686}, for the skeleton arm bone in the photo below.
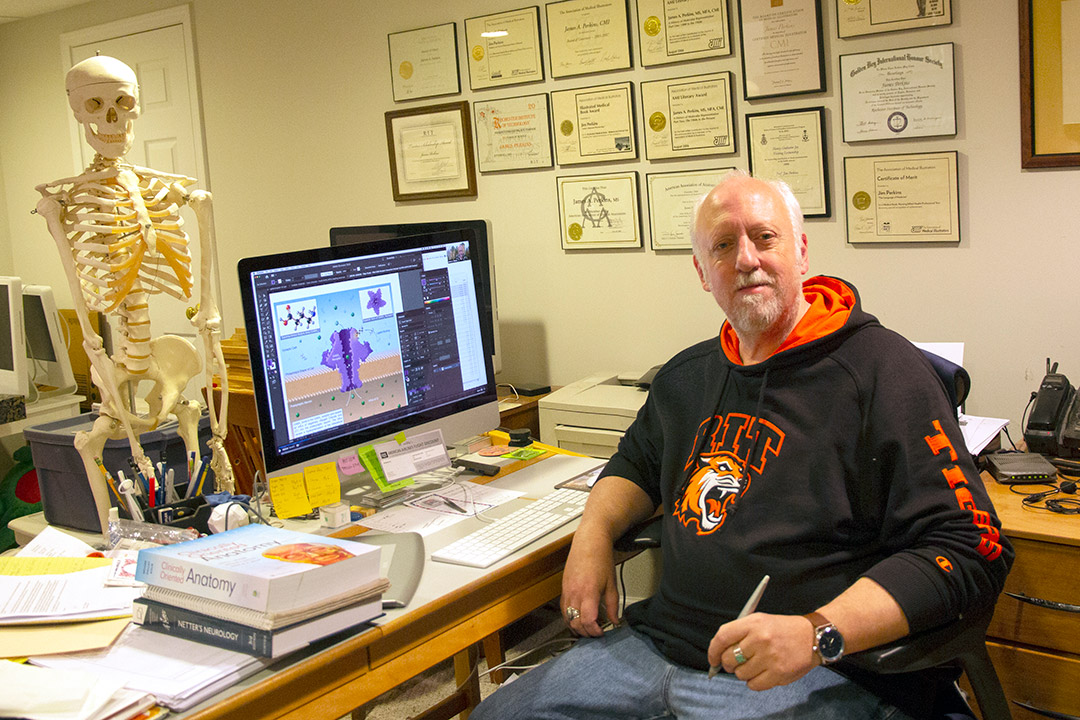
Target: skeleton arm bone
{"x": 208, "y": 322}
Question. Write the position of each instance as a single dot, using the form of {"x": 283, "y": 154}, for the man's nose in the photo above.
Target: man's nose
{"x": 746, "y": 257}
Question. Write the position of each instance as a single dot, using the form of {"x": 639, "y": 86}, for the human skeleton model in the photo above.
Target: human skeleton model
{"x": 119, "y": 232}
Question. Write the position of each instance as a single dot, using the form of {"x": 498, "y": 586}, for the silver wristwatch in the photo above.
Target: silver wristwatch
{"x": 828, "y": 642}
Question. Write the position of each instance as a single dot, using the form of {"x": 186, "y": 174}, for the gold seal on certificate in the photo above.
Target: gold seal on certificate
{"x": 599, "y": 211}
{"x": 688, "y": 116}
{"x": 587, "y": 36}
{"x": 596, "y": 124}
{"x": 902, "y": 198}
{"x": 504, "y": 48}
{"x": 907, "y": 92}
{"x": 405, "y": 70}
{"x": 680, "y": 30}
{"x": 513, "y": 133}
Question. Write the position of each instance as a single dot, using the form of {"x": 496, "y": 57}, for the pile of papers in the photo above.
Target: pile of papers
{"x": 70, "y": 615}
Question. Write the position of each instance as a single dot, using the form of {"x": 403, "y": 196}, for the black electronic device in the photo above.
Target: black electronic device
{"x": 1047, "y": 425}
{"x": 1019, "y": 468}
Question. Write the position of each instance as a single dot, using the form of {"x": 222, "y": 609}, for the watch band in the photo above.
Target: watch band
{"x": 817, "y": 619}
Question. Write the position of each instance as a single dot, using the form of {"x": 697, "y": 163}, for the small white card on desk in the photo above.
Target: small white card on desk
{"x": 413, "y": 455}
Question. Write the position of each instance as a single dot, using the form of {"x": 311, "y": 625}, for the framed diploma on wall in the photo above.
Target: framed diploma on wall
{"x": 431, "y": 153}
{"x": 688, "y": 116}
{"x": 594, "y": 124}
{"x": 1049, "y": 83}
{"x": 906, "y": 92}
{"x": 599, "y": 211}
{"x": 866, "y": 17}
{"x": 902, "y": 198}
{"x": 671, "y": 31}
{"x": 587, "y": 36}
{"x": 671, "y": 198}
{"x": 789, "y": 145}
{"x": 513, "y": 133}
{"x": 504, "y": 49}
{"x": 424, "y": 62}
{"x": 782, "y": 48}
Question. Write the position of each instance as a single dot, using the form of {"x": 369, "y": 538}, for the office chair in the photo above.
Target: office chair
{"x": 956, "y": 647}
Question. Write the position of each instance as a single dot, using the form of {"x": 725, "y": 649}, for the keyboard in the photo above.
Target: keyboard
{"x": 507, "y": 535}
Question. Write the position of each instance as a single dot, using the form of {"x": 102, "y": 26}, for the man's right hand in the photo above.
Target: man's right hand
{"x": 589, "y": 583}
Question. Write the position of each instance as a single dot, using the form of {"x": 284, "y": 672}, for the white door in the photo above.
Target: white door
{"x": 168, "y": 133}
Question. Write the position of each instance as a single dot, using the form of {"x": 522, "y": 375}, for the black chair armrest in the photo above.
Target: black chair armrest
{"x": 643, "y": 536}
{"x": 926, "y": 649}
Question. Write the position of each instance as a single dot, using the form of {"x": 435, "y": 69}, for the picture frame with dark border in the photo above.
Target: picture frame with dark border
{"x": 431, "y": 152}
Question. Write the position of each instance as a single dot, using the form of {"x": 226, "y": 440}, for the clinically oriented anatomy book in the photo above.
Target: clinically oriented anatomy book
{"x": 260, "y": 567}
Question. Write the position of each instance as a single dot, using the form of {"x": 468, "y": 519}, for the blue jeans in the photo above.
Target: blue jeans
{"x": 621, "y": 676}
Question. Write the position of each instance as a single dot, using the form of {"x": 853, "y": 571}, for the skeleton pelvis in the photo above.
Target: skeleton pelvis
{"x": 173, "y": 361}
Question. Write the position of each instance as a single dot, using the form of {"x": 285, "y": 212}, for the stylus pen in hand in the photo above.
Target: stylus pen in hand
{"x": 749, "y": 607}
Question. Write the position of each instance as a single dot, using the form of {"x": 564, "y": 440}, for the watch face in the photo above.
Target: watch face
{"x": 830, "y": 644}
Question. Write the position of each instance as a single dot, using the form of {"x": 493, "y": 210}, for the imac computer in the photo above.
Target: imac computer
{"x": 13, "y": 377}
{"x": 48, "y": 362}
{"x": 356, "y": 343}
{"x": 485, "y": 257}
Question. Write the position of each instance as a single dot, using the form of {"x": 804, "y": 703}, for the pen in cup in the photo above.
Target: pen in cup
{"x": 749, "y": 607}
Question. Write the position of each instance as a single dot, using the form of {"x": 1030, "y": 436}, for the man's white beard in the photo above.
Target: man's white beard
{"x": 756, "y": 313}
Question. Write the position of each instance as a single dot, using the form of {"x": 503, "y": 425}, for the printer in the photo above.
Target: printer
{"x": 591, "y": 415}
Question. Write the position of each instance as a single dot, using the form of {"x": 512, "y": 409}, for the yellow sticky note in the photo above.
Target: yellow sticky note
{"x": 400, "y": 438}
{"x": 289, "y": 496}
{"x": 48, "y": 565}
{"x": 323, "y": 486}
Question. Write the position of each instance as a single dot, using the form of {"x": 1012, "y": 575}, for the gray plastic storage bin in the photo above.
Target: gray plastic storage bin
{"x": 65, "y": 493}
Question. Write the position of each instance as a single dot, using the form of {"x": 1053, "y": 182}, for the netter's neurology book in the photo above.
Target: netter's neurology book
{"x": 261, "y": 567}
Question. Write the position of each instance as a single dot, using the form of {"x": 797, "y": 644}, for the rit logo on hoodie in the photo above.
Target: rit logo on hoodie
{"x": 735, "y": 447}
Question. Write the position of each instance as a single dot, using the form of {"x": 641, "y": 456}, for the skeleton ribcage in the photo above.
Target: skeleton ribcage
{"x": 114, "y": 254}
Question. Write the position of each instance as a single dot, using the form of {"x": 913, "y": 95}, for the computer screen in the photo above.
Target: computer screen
{"x": 485, "y": 256}
{"x": 49, "y": 364}
{"x": 13, "y": 379}
{"x": 351, "y": 344}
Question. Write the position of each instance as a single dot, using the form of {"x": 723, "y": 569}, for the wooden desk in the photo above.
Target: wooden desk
{"x": 1036, "y": 650}
{"x": 329, "y": 682}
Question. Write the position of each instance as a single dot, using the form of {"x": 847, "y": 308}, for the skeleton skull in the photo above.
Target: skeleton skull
{"x": 104, "y": 95}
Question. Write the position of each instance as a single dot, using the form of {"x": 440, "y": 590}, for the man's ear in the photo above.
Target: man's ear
{"x": 701, "y": 275}
{"x": 801, "y": 246}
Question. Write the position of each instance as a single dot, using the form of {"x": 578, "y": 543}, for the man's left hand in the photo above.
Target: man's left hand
{"x": 778, "y": 649}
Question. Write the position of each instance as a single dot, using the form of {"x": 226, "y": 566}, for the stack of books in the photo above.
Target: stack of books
{"x": 259, "y": 590}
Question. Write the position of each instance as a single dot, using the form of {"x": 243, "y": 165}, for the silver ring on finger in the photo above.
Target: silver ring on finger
{"x": 739, "y": 657}
{"x": 572, "y": 613}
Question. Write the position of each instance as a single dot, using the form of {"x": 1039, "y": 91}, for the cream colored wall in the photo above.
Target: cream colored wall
{"x": 293, "y": 103}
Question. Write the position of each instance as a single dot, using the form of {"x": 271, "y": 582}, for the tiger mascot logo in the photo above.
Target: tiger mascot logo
{"x": 711, "y": 493}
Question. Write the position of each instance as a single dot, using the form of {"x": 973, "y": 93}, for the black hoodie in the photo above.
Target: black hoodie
{"x": 836, "y": 458}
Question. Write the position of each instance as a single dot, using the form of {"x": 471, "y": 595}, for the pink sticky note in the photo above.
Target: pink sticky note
{"x": 349, "y": 464}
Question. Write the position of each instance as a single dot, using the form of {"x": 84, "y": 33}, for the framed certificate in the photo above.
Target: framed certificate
{"x": 431, "y": 152}
{"x": 424, "y": 62}
{"x": 789, "y": 145}
{"x": 782, "y": 48}
{"x": 599, "y": 211}
{"x": 587, "y": 36}
{"x": 672, "y": 31}
{"x": 504, "y": 49}
{"x": 902, "y": 198}
{"x": 1049, "y": 83}
{"x": 688, "y": 116}
{"x": 513, "y": 133}
{"x": 594, "y": 124}
{"x": 908, "y": 92}
{"x": 866, "y": 17}
{"x": 672, "y": 196}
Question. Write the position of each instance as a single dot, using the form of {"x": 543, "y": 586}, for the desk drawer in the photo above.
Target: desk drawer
{"x": 1049, "y": 682}
{"x": 1047, "y": 571}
